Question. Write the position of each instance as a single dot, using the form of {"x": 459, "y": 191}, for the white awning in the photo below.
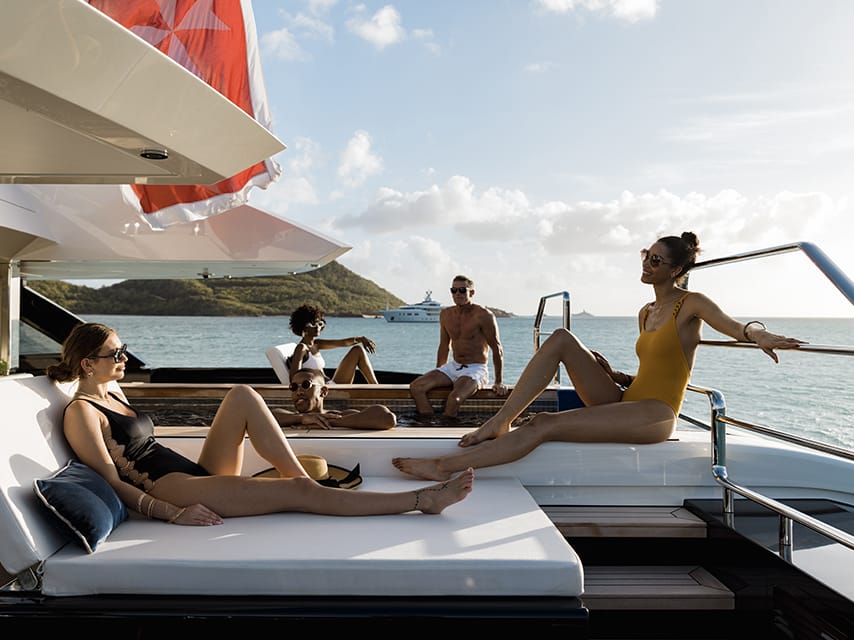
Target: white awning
{"x": 88, "y": 232}
{"x": 84, "y": 100}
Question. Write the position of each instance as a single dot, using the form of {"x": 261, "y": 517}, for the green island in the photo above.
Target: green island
{"x": 339, "y": 291}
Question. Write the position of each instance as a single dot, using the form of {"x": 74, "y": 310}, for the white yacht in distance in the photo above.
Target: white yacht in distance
{"x": 425, "y": 311}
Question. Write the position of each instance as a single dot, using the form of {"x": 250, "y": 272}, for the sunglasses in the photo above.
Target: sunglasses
{"x": 116, "y": 355}
{"x": 654, "y": 259}
{"x": 305, "y": 384}
{"x": 459, "y": 290}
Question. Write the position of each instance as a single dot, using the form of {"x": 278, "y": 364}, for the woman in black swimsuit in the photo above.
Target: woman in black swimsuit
{"x": 109, "y": 435}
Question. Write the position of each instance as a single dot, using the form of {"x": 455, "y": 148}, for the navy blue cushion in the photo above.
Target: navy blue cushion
{"x": 83, "y": 501}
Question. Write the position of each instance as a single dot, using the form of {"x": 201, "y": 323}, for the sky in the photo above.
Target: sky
{"x": 537, "y": 145}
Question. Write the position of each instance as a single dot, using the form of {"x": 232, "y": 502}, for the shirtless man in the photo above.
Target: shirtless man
{"x": 308, "y": 388}
{"x": 471, "y": 330}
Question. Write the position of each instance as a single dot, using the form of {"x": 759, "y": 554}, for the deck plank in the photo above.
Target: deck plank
{"x": 626, "y": 522}
{"x": 654, "y": 588}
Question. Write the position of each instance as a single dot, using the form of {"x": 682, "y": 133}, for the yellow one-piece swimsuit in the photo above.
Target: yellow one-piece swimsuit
{"x": 663, "y": 370}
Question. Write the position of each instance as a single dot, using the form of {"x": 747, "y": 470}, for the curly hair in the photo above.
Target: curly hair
{"x": 304, "y": 314}
{"x": 683, "y": 252}
{"x": 84, "y": 340}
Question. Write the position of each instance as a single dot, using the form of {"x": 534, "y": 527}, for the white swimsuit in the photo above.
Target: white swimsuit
{"x": 477, "y": 372}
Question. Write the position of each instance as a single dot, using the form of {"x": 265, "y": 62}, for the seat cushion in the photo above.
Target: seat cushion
{"x": 496, "y": 542}
{"x": 278, "y": 357}
{"x": 83, "y": 502}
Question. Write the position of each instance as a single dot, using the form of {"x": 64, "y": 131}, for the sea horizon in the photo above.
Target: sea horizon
{"x": 800, "y": 393}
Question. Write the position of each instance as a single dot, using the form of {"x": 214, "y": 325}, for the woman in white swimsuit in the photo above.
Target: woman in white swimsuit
{"x": 307, "y": 322}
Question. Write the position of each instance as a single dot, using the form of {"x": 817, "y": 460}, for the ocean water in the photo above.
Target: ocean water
{"x": 806, "y": 394}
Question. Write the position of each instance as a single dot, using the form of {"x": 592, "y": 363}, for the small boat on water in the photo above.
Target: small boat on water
{"x": 425, "y": 311}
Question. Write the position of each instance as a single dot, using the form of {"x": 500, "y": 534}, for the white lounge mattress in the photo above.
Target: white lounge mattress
{"x": 497, "y": 542}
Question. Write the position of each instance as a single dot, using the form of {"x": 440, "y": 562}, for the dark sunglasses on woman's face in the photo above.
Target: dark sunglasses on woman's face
{"x": 116, "y": 355}
{"x": 654, "y": 259}
{"x": 305, "y": 384}
{"x": 458, "y": 290}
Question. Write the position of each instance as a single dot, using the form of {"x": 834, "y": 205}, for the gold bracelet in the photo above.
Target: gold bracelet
{"x": 761, "y": 324}
{"x": 150, "y": 507}
{"x": 139, "y": 502}
{"x": 177, "y": 515}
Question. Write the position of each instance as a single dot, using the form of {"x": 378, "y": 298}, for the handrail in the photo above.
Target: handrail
{"x": 833, "y": 349}
{"x": 719, "y": 419}
{"x": 818, "y": 257}
{"x": 721, "y": 476}
{"x": 808, "y": 443}
{"x": 538, "y": 320}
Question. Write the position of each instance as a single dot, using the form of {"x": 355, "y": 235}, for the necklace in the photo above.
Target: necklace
{"x": 664, "y": 303}
{"x": 92, "y": 395}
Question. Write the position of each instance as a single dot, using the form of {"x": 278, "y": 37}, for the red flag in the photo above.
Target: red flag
{"x": 216, "y": 40}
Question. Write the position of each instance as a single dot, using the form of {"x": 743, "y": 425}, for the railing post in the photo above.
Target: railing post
{"x": 719, "y": 452}
{"x": 785, "y": 546}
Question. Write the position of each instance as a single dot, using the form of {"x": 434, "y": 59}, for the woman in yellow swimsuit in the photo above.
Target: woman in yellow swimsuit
{"x": 639, "y": 409}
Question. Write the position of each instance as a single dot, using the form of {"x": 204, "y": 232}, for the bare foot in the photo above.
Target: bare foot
{"x": 435, "y": 498}
{"x": 426, "y": 468}
{"x": 487, "y": 431}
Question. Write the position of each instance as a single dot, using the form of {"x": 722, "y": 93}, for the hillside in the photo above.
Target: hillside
{"x": 334, "y": 287}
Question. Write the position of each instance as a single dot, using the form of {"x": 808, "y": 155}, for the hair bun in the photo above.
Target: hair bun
{"x": 690, "y": 239}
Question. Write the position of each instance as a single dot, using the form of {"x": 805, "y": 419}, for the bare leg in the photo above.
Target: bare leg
{"x": 464, "y": 388}
{"x": 593, "y": 385}
{"x": 422, "y": 385}
{"x": 243, "y": 412}
{"x": 641, "y": 422}
{"x": 232, "y": 496}
{"x": 356, "y": 358}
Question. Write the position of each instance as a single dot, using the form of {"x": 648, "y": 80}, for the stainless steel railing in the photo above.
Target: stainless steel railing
{"x": 538, "y": 320}
{"x": 787, "y": 514}
{"x": 541, "y": 310}
{"x": 719, "y": 419}
{"x": 818, "y": 257}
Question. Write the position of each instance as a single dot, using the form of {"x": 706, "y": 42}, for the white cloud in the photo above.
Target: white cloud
{"x": 425, "y": 36}
{"x": 312, "y": 27}
{"x": 538, "y": 67}
{"x": 728, "y": 220}
{"x": 283, "y": 45}
{"x": 358, "y": 163}
{"x": 480, "y": 216}
{"x": 627, "y": 10}
{"x": 302, "y": 155}
{"x": 295, "y": 186}
{"x": 320, "y": 7}
{"x": 381, "y": 30}
{"x": 733, "y": 126}
{"x": 587, "y": 247}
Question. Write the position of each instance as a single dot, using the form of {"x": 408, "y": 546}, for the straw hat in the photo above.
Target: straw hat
{"x": 320, "y": 470}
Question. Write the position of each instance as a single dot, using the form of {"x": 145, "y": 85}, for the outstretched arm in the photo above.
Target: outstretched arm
{"x": 369, "y": 345}
{"x": 287, "y": 418}
{"x": 753, "y": 331}
{"x": 376, "y": 416}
